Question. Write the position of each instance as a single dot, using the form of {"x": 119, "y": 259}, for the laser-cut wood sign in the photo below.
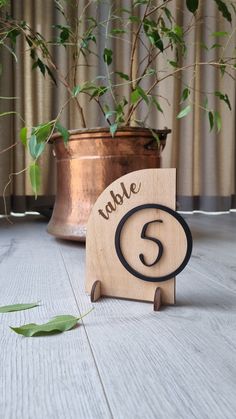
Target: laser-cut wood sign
{"x": 136, "y": 242}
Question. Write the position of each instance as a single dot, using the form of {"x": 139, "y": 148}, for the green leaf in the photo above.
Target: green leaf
{"x": 157, "y": 104}
{"x": 168, "y": 14}
{"x": 3, "y": 2}
{"x": 86, "y": 40}
{"x": 113, "y": 129}
{"x": 35, "y": 178}
{"x": 109, "y": 114}
{"x": 124, "y": 10}
{"x": 35, "y": 148}
{"x": 173, "y": 63}
{"x": 150, "y": 72}
{"x": 17, "y": 307}
{"x": 211, "y": 120}
{"x": 117, "y": 31}
{"x": 23, "y": 136}
{"x": 119, "y": 111}
{"x": 9, "y": 113}
{"x": 58, "y": 324}
{"x": 224, "y": 97}
{"x": 134, "y": 19}
{"x": 8, "y": 97}
{"x": 185, "y": 111}
{"x": 204, "y": 46}
{"x": 222, "y": 67}
{"x": 63, "y": 131}
{"x": 98, "y": 91}
{"x": 76, "y": 90}
{"x": 107, "y": 56}
{"x": 218, "y": 121}
{"x": 192, "y": 5}
{"x": 142, "y": 94}
{"x": 139, "y": 2}
{"x": 216, "y": 46}
{"x": 87, "y": 86}
{"x": 42, "y": 132}
{"x": 150, "y": 29}
{"x": 185, "y": 94}
{"x": 13, "y": 34}
{"x": 219, "y": 34}
{"x": 178, "y": 31}
{"x": 64, "y": 34}
{"x": 41, "y": 66}
{"x": 50, "y": 73}
{"x": 122, "y": 75}
{"x": 222, "y": 7}
{"x": 234, "y": 8}
{"x": 135, "y": 96}
{"x": 35, "y": 65}
{"x": 156, "y": 136}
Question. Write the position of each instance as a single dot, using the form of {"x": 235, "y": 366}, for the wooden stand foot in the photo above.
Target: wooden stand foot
{"x": 157, "y": 299}
{"x": 95, "y": 291}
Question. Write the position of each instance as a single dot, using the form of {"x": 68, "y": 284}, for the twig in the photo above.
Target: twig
{"x": 5, "y": 189}
{"x": 136, "y": 37}
{"x": 8, "y": 148}
{"x": 214, "y": 64}
{"x": 106, "y": 65}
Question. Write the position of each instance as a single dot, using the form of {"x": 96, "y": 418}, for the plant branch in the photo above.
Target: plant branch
{"x": 134, "y": 46}
{"x": 178, "y": 70}
{"x": 10, "y": 176}
{"x": 107, "y": 69}
{"x": 158, "y": 7}
{"x": 8, "y": 148}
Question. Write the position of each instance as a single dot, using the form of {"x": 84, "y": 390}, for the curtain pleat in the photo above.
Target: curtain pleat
{"x": 205, "y": 161}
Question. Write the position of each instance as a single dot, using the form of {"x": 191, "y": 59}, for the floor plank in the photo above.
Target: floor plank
{"x": 44, "y": 377}
{"x": 176, "y": 363}
{"x": 126, "y": 361}
{"x": 215, "y": 247}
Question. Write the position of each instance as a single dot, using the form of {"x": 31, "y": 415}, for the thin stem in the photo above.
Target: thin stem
{"x": 76, "y": 55}
{"x": 5, "y": 189}
{"x": 158, "y": 7}
{"x": 227, "y": 43}
{"x": 178, "y": 70}
{"x": 8, "y": 148}
{"x": 43, "y": 48}
{"x": 67, "y": 86}
{"x": 134, "y": 46}
{"x": 107, "y": 69}
{"x": 83, "y": 315}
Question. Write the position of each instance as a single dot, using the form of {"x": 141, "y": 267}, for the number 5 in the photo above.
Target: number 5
{"x": 158, "y": 242}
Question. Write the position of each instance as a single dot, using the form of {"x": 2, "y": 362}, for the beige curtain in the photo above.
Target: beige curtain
{"x": 205, "y": 161}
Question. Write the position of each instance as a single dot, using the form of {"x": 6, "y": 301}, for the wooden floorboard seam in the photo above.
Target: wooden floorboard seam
{"x": 88, "y": 340}
{"x": 212, "y": 280}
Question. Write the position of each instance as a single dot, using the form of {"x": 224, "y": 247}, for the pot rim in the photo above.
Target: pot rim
{"x": 104, "y": 132}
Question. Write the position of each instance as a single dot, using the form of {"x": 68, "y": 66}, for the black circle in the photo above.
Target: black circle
{"x": 178, "y": 218}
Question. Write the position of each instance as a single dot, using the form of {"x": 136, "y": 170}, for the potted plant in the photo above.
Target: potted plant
{"x": 89, "y": 159}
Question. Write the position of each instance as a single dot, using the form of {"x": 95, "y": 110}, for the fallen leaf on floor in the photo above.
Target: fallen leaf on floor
{"x": 17, "y": 307}
{"x": 58, "y": 324}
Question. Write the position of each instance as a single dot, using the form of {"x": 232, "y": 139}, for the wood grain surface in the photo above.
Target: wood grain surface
{"x": 44, "y": 377}
{"x": 150, "y": 186}
{"x": 124, "y": 361}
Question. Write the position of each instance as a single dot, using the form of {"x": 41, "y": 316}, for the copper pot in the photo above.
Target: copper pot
{"x": 89, "y": 163}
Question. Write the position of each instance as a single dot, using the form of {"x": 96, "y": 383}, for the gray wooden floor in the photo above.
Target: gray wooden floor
{"x": 124, "y": 361}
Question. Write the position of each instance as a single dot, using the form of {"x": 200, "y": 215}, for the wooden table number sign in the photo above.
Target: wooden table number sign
{"x": 136, "y": 242}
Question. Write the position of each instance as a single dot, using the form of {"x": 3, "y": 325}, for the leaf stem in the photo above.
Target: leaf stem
{"x": 83, "y": 315}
